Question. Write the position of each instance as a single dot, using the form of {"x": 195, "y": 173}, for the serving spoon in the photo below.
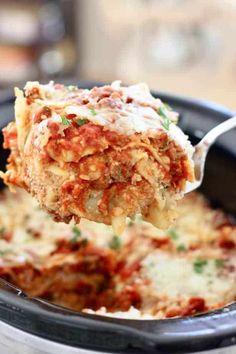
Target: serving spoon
{"x": 201, "y": 151}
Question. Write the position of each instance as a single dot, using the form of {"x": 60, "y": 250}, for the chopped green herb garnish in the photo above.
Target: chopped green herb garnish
{"x": 81, "y": 121}
{"x": 166, "y": 120}
{"x": 181, "y": 248}
{"x": 72, "y": 88}
{"x": 93, "y": 111}
{"x": 4, "y": 253}
{"x": 115, "y": 243}
{"x": 119, "y": 173}
{"x": 65, "y": 121}
{"x": 199, "y": 265}
{"x": 219, "y": 263}
{"x": 76, "y": 231}
{"x": 130, "y": 223}
{"x": 76, "y": 234}
{"x": 167, "y": 106}
{"x": 2, "y": 231}
{"x": 173, "y": 234}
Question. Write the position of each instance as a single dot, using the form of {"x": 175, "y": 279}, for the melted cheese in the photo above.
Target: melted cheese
{"x": 21, "y": 217}
{"x": 132, "y": 313}
{"x": 140, "y": 116}
{"x": 175, "y": 277}
{"x": 129, "y": 120}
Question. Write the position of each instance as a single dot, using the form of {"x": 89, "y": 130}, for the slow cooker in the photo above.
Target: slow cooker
{"x": 32, "y": 325}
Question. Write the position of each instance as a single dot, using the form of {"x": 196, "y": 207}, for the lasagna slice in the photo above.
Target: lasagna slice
{"x": 101, "y": 154}
{"x": 147, "y": 273}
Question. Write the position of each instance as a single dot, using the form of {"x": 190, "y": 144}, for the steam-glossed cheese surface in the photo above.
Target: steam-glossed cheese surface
{"x": 101, "y": 154}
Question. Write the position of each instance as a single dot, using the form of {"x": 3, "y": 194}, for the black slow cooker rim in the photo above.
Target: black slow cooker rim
{"x": 44, "y": 319}
{"x": 56, "y": 323}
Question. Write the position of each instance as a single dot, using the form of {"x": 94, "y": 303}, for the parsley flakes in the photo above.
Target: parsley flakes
{"x": 219, "y": 263}
{"x": 130, "y": 223}
{"x": 115, "y": 243}
{"x": 4, "y": 253}
{"x": 181, "y": 248}
{"x": 81, "y": 121}
{"x": 2, "y": 231}
{"x": 166, "y": 120}
{"x": 76, "y": 234}
{"x": 173, "y": 234}
{"x": 93, "y": 111}
{"x": 167, "y": 106}
{"x": 72, "y": 88}
{"x": 119, "y": 172}
{"x": 65, "y": 121}
{"x": 199, "y": 265}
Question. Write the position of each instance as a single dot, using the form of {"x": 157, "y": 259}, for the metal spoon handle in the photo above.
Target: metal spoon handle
{"x": 202, "y": 148}
{"x": 220, "y": 129}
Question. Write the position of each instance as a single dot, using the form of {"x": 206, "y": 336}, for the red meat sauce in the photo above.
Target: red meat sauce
{"x": 32, "y": 95}
{"x": 78, "y": 138}
{"x": 91, "y": 136}
{"x": 118, "y": 301}
{"x": 78, "y": 191}
{"x": 10, "y": 136}
{"x": 44, "y": 112}
{"x": 126, "y": 271}
{"x": 226, "y": 239}
{"x": 93, "y": 260}
{"x": 105, "y": 259}
{"x": 195, "y": 305}
{"x": 95, "y": 138}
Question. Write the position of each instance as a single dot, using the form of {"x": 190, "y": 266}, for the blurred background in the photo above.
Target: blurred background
{"x": 182, "y": 46}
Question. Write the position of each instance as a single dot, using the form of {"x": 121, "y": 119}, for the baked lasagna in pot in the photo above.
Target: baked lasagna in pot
{"x": 101, "y": 154}
{"x": 147, "y": 273}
